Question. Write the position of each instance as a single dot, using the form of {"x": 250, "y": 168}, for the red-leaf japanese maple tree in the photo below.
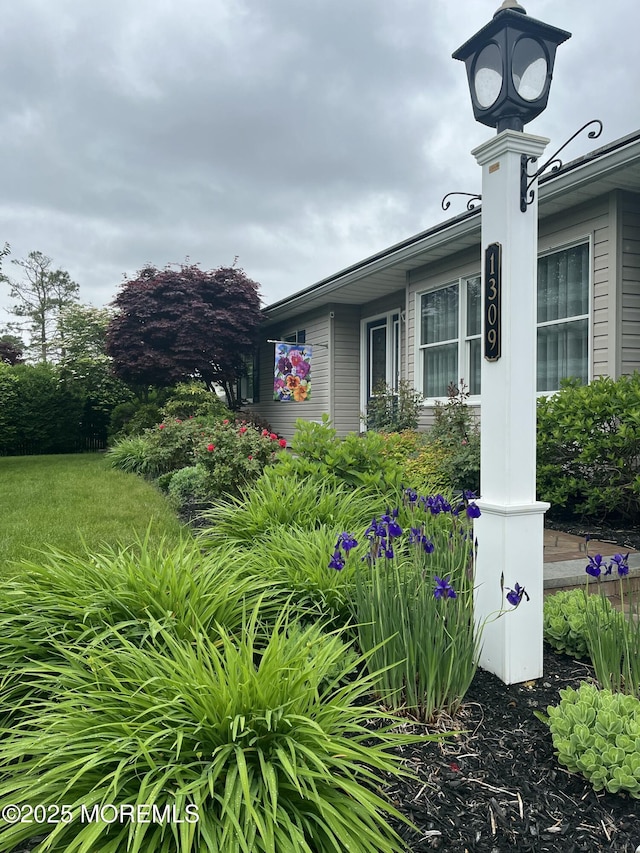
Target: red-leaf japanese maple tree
{"x": 183, "y": 322}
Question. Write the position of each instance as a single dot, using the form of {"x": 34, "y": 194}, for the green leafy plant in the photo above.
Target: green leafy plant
{"x": 589, "y": 448}
{"x": 565, "y": 614}
{"x": 597, "y": 733}
{"x": 456, "y": 435}
{"x": 263, "y": 742}
{"x": 391, "y": 410}
{"x": 357, "y": 460}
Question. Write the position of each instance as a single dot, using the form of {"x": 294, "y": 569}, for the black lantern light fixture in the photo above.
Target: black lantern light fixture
{"x": 509, "y": 67}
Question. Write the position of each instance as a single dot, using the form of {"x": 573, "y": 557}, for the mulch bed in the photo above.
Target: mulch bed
{"x": 498, "y": 787}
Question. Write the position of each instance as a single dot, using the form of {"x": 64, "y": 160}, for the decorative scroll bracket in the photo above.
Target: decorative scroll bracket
{"x": 554, "y": 164}
{"x": 471, "y": 203}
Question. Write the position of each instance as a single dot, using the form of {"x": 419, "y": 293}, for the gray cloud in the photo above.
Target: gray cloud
{"x": 299, "y": 135}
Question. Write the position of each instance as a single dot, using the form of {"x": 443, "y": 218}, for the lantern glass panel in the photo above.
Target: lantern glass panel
{"x": 488, "y": 75}
{"x": 529, "y": 69}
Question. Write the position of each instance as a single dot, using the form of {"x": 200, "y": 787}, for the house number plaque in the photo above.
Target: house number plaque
{"x": 492, "y": 301}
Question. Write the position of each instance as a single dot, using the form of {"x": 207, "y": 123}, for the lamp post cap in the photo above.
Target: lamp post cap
{"x": 513, "y": 5}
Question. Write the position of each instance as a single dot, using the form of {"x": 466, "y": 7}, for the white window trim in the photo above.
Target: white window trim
{"x": 391, "y": 365}
{"x": 462, "y": 339}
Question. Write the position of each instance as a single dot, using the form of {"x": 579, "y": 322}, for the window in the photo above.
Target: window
{"x": 450, "y": 337}
{"x": 563, "y": 317}
{"x": 247, "y": 386}
{"x": 383, "y": 352}
{"x": 299, "y": 337}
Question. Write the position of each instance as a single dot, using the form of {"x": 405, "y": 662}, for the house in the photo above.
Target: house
{"x": 412, "y": 311}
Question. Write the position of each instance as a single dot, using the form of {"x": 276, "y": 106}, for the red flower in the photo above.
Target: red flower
{"x": 161, "y": 426}
{"x": 211, "y": 447}
{"x": 273, "y": 436}
{"x": 225, "y": 421}
{"x": 178, "y": 421}
{"x": 250, "y": 458}
{"x": 265, "y": 432}
{"x": 242, "y": 430}
{"x": 282, "y": 442}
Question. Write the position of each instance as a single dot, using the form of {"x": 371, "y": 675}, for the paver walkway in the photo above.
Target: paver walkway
{"x": 565, "y": 559}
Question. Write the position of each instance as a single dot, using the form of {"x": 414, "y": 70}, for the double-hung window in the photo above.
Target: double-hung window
{"x": 563, "y": 317}
{"x": 450, "y": 337}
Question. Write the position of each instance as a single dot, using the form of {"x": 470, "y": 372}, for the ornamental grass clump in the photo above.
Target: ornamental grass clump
{"x": 597, "y": 733}
{"x": 277, "y": 502}
{"x": 145, "y": 593}
{"x": 263, "y": 742}
{"x": 614, "y": 644}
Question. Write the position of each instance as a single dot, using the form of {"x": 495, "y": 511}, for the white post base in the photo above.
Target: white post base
{"x": 510, "y": 543}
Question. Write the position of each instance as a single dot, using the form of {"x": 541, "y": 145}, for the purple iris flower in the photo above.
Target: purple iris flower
{"x": 337, "y": 561}
{"x": 620, "y": 562}
{"x": 411, "y": 495}
{"x": 473, "y": 511}
{"x": 437, "y": 504}
{"x": 443, "y": 588}
{"x": 346, "y": 541}
{"x": 428, "y": 545}
{"x": 596, "y": 566}
{"x": 515, "y": 595}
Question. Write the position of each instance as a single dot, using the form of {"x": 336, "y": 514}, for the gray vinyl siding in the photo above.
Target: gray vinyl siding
{"x": 630, "y": 297}
{"x": 282, "y": 416}
{"x": 346, "y": 369}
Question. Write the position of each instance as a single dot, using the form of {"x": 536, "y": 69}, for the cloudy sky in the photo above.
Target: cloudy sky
{"x": 298, "y": 135}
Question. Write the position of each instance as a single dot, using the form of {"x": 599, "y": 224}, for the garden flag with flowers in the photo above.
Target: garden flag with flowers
{"x": 292, "y": 375}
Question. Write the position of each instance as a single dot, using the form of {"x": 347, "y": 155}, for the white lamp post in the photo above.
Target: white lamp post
{"x": 509, "y": 66}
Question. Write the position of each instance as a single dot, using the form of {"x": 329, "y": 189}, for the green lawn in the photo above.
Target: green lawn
{"x": 73, "y": 502}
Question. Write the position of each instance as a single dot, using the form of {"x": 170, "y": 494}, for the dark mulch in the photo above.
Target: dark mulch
{"x": 498, "y": 787}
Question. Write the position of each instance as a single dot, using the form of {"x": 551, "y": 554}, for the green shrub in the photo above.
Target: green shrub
{"x": 394, "y": 411}
{"x": 188, "y": 488}
{"x": 456, "y": 438}
{"x": 355, "y": 459}
{"x": 597, "y": 733}
{"x": 589, "y": 448}
{"x": 234, "y": 455}
{"x": 297, "y": 559}
{"x": 166, "y": 447}
{"x": 564, "y": 620}
{"x": 133, "y": 417}
{"x": 422, "y": 461}
{"x": 261, "y": 742}
{"x": 44, "y": 412}
{"x": 194, "y": 400}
